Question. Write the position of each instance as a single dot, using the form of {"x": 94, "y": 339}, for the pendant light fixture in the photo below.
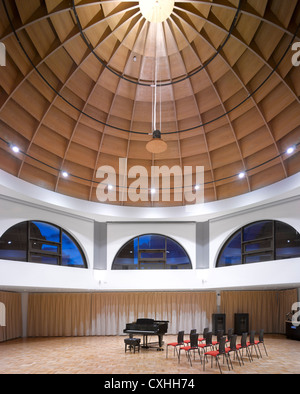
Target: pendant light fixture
{"x": 156, "y": 145}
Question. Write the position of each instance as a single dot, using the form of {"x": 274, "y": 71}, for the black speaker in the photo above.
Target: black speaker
{"x": 218, "y": 322}
{"x": 241, "y": 323}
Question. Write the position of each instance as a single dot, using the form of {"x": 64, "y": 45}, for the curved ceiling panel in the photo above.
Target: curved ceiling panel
{"x": 77, "y": 92}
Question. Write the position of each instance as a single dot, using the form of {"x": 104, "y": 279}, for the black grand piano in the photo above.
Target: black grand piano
{"x": 148, "y": 327}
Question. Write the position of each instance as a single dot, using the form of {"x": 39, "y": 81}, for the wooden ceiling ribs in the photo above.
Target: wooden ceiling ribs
{"x": 228, "y": 118}
{"x": 236, "y": 109}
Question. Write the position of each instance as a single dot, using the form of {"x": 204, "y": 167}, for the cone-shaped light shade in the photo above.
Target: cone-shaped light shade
{"x": 156, "y": 145}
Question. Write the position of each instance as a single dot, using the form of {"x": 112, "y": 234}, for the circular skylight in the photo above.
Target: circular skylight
{"x": 156, "y": 11}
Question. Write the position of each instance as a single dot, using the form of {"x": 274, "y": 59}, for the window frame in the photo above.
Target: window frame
{"x": 30, "y": 250}
{"x": 265, "y": 250}
{"x": 141, "y": 261}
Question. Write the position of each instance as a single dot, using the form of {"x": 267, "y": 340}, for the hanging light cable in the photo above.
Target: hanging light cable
{"x": 156, "y": 145}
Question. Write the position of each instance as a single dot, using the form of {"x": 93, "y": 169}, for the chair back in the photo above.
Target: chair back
{"x": 220, "y": 334}
{"x": 222, "y": 345}
{"x": 180, "y": 337}
{"x": 208, "y": 338}
{"x": 261, "y": 336}
{"x": 244, "y": 339}
{"x": 233, "y": 342}
{"x": 230, "y": 333}
{"x": 193, "y": 331}
{"x": 194, "y": 340}
{"x": 205, "y": 331}
{"x": 252, "y": 337}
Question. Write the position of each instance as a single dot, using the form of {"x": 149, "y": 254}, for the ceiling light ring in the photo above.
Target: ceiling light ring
{"x": 246, "y": 172}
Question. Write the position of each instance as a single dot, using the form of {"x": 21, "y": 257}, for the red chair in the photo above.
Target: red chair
{"x": 252, "y": 344}
{"x": 261, "y": 342}
{"x": 233, "y": 349}
{"x": 207, "y": 343}
{"x": 243, "y": 345}
{"x": 192, "y": 347}
{"x": 229, "y": 334}
{"x": 180, "y": 342}
{"x": 187, "y": 341}
{"x": 217, "y": 353}
{"x": 205, "y": 331}
{"x": 220, "y": 334}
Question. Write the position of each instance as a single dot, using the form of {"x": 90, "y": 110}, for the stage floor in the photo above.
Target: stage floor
{"x": 106, "y": 355}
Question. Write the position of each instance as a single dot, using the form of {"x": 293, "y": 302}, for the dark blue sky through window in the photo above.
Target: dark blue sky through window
{"x": 41, "y": 243}
{"x": 151, "y": 251}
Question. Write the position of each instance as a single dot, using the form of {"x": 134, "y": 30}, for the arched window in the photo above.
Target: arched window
{"x": 43, "y": 243}
{"x": 151, "y": 251}
{"x": 265, "y": 240}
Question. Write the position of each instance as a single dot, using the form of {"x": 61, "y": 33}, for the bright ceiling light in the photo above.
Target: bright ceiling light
{"x": 65, "y": 174}
{"x": 242, "y": 175}
{"x": 15, "y": 149}
{"x": 156, "y": 11}
{"x": 290, "y": 150}
{"x": 152, "y": 191}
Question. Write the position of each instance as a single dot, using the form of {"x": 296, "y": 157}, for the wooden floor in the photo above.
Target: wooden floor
{"x": 106, "y": 355}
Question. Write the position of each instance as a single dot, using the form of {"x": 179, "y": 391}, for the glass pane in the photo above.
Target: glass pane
{"x": 152, "y": 247}
{"x": 287, "y": 241}
{"x": 71, "y": 255}
{"x": 258, "y": 245}
{"x": 232, "y": 253}
{"x": 44, "y": 259}
{"x": 152, "y": 265}
{"x": 176, "y": 256}
{"x": 258, "y": 258}
{"x": 127, "y": 258}
{"x": 13, "y": 243}
{"x": 44, "y": 231}
{"x": 152, "y": 255}
{"x": 152, "y": 242}
{"x": 42, "y": 246}
{"x": 258, "y": 230}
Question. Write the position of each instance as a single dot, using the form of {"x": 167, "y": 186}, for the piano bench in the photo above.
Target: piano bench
{"x": 132, "y": 343}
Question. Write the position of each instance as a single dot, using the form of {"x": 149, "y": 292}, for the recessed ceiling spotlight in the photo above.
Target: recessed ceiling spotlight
{"x": 110, "y": 187}
{"x": 15, "y": 148}
{"x": 197, "y": 187}
{"x": 242, "y": 175}
{"x": 65, "y": 174}
{"x": 290, "y": 150}
{"x": 153, "y": 191}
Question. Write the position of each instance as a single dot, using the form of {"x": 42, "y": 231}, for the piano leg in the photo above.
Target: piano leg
{"x": 160, "y": 341}
{"x": 145, "y": 342}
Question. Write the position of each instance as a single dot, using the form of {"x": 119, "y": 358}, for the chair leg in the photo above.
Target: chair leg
{"x": 189, "y": 357}
{"x": 238, "y": 357}
{"x": 228, "y": 357}
{"x": 265, "y": 349}
{"x": 259, "y": 351}
{"x": 248, "y": 354}
{"x": 217, "y": 359}
{"x": 255, "y": 350}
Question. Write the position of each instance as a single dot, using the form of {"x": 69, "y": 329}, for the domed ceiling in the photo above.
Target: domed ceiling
{"x": 82, "y": 79}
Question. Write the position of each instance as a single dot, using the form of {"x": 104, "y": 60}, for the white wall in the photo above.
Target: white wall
{"x": 15, "y": 207}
